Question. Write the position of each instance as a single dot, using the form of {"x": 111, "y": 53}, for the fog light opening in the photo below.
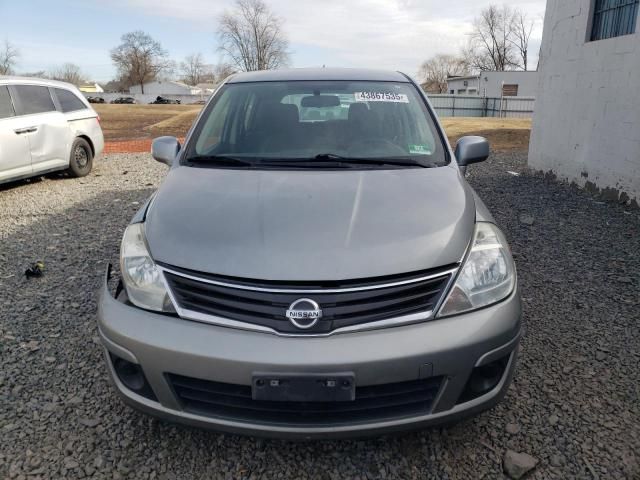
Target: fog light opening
{"x": 132, "y": 377}
{"x": 483, "y": 379}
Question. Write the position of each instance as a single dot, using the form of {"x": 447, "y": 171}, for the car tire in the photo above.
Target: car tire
{"x": 80, "y": 158}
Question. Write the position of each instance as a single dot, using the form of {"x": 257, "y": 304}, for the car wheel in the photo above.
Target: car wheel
{"x": 81, "y": 158}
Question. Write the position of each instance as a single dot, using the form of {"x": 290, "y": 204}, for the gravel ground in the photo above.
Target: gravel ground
{"x": 574, "y": 405}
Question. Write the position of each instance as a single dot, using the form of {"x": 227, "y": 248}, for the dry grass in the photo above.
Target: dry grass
{"x": 503, "y": 133}
{"x": 130, "y": 122}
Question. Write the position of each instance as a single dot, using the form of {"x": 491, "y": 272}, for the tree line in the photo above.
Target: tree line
{"x": 67, "y": 72}
{"x": 251, "y": 37}
{"x": 499, "y": 41}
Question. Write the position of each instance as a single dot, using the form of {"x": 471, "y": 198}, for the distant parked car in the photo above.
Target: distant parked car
{"x": 95, "y": 99}
{"x": 46, "y": 126}
{"x": 165, "y": 101}
{"x": 129, "y": 100}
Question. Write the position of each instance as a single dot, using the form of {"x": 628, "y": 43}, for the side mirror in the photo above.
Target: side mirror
{"x": 165, "y": 149}
{"x": 471, "y": 150}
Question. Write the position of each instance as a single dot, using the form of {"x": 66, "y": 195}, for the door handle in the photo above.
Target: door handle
{"x": 20, "y": 131}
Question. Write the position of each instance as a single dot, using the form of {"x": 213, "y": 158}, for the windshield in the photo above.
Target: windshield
{"x": 331, "y": 121}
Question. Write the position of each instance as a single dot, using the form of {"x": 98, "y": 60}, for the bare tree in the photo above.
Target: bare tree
{"x": 222, "y": 71}
{"x": 251, "y": 36}
{"x": 9, "y": 55}
{"x": 208, "y": 74}
{"x": 115, "y": 86}
{"x": 521, "y": 28}
{"x": 68, "y": 72}
{"x": 193, "y": 69}
{"x": 491, "y": 45}
{"x": 35, "y": 74}
{"x": 139, "y": 58}
{"x": 435, "y": 71}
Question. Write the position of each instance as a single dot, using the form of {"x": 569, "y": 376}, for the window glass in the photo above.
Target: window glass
{"x": 33, "y": 99}
{"x": 299, "y": 120}
{"x": 68, "y": 100}
{"x": 6, "y": 108}
{"x": 613, "y": 18}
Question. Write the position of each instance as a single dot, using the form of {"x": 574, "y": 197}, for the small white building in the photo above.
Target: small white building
{"x": 206, "y": 88}
{"x": 495, "y": 84}
{"x": 586, "y": 125}
{"x": 168, "y": 87}
{"x": 91, "y": 88}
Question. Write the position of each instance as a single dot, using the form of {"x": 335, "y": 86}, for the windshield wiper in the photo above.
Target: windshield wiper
{"x": 329, "y": 156}
{"x": 396, "y": 161}
{"x": 227, "y": 160}
{"x": 324, "y": 160}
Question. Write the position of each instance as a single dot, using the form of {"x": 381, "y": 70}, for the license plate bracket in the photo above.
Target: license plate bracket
{"x": 275, "y": 387}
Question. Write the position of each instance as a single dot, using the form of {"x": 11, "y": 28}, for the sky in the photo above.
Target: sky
{"x": 390, "y": 34}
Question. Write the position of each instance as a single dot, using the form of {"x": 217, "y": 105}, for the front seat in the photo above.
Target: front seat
{"x": 360, "y": 121}
{"x": 279, "y": 124}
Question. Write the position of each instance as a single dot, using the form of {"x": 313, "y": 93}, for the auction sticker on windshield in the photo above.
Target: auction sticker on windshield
{"x": 381, "y": 97}
{"x": 420, "y": 149}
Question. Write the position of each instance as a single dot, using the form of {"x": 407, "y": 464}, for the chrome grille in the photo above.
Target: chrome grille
{"x": 344, "y": 304}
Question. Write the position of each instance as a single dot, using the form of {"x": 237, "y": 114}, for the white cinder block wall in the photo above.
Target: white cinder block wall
{"x": 586, "y": 125}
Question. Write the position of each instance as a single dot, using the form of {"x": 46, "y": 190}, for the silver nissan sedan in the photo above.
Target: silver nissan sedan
{"x": 314, "y": 265}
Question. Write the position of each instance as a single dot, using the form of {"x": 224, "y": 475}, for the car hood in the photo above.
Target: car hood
{"x": 310, "y": 225}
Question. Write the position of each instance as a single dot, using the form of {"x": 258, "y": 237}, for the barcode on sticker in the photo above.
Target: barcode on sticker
{"x": 381, "y": 97}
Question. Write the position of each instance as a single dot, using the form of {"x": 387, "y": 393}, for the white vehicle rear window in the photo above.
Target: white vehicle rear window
{"x": 68, "y": 101}
{"x": 6, "y": 108}
{"x": 33, "y": 99}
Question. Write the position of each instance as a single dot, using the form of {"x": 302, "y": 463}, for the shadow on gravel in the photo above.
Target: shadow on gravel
{"x": 33, "y": 180}
{"x": 573, "y": 405}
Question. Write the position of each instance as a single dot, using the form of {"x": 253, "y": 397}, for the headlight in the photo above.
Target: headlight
{"x": 140, "y": 275}
{"x": 487, "y": 276}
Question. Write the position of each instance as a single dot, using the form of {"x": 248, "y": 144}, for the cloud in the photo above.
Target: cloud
{"x": 396, "y": 34}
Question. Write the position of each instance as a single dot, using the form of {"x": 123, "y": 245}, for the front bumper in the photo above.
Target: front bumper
{"x": 449, "y": 349}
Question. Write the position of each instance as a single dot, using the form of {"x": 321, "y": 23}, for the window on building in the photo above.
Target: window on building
{"x": 613, "y": 18}
{"x": 509, "y": 90}
{"x": 462, "y": 91}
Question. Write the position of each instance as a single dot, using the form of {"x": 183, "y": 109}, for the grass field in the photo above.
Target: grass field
{"x": 504, "y": 134}
{"x": 132, "y": 122}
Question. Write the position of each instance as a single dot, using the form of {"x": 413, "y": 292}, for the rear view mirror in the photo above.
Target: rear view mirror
{"x": 471, "y": 149}
{"x": 165, "y": 149}
{"x": 320, "y": 101}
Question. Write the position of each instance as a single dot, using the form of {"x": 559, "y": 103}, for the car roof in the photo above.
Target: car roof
{"x": 11, "y": 80}
{"x": 296, "y": 74}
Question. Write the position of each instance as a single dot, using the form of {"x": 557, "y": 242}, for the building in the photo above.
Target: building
{"x": 91, "y": 88}
{"x": 586, "y": 126}
{"x": 466, "y": 85}
{"x": 168, "y": 87}
{"x": 206, "y": 88}
{"x": 495, "y": 84}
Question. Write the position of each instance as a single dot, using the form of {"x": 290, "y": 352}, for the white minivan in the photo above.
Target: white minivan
{"x": 46, "y": 126}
